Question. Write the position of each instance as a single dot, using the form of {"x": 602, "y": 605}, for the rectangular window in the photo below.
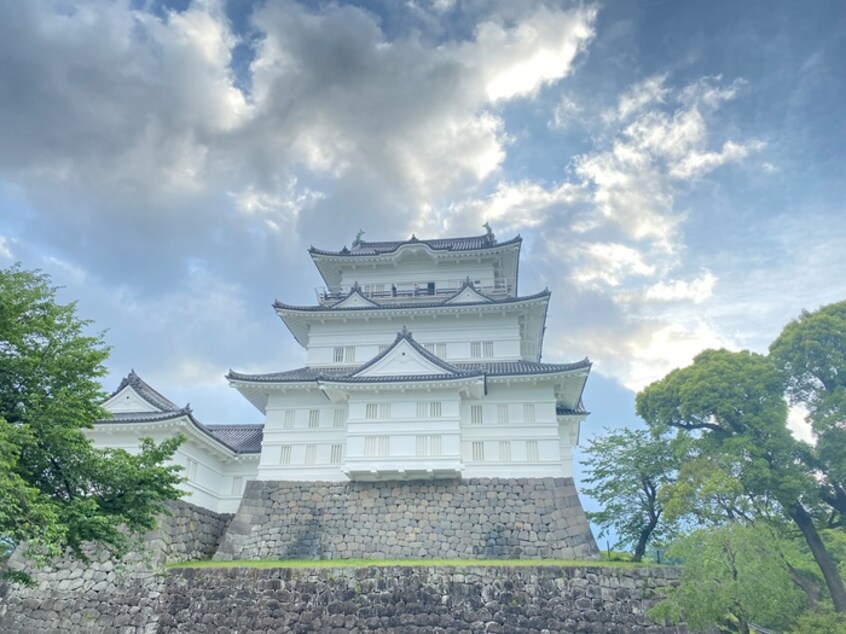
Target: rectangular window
{"x": 311, "y": 454}
{"x": 532, "y": 450}
{"x": 476, "y": 414}
{"x": 504, "y": 450}
{"x": 376, "y": 446}
{"x": 285, "y": 454}
{"x": 440, "y": 350}
{"x": 192, "y": 468}
{"x": 481, "y": 349}
{"x": 502, "y": 413}
{"x": 313, "y": 418}
{"x": 529, "y": 413}
{"x": 338, "y": 418}
{"x": 384, "y": 410}
{"x": 428, "y": 409}
{"x": 237, "y": 485}
{"x": 428, "y": 445}
{"x": 290, "y": 416}
{"x": 371, "y": 410}
{"x": 335, "y": 454}
{"x": 478, "y": 451}
{"x": 343, "y": 354}
{"x": 383, "y": 347}
{"x": 429, "y": 347}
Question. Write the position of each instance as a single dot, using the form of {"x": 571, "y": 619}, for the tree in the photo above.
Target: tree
{"x": 811, "y": 355}
{"x": 733, "y": 575}
{"x": 627, "y": 468}
{"x": 57, "y": 492}
{"x": 730, "y": 405}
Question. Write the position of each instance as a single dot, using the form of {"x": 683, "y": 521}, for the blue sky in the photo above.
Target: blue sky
{"x": 676, "y": 169}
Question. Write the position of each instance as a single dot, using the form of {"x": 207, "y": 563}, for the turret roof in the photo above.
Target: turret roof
{"x": 469, "y": 243}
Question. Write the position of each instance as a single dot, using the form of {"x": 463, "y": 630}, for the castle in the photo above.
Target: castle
{"x": 423, "y": 378}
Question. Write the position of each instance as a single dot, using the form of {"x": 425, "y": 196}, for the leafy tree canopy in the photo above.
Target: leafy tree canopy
{"x": 627, "y": 469}
{"x": 57, "y": 492}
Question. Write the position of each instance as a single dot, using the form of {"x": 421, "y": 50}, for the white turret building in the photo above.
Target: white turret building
{"x": 423, "y": 362}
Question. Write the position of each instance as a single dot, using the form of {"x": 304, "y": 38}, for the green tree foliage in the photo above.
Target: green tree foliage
{"x": 733, "y": 575}
{"x": 627, "y": 469}
{"x": 57, "y": 492}
{"x": 730, "y": 407}
{"x": 811, "y": 354}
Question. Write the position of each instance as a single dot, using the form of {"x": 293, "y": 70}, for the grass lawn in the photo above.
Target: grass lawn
{"x": 363, "y": 563}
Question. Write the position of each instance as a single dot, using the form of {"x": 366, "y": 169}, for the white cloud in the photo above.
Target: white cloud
{"x": 609, "y": 264}
{"x": 5, "y": 248}
{"x": 797, "y": 423}
{"x": 696, "y": 290}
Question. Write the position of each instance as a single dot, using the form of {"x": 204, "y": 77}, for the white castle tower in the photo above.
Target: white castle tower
{"x": 423, "y": 362}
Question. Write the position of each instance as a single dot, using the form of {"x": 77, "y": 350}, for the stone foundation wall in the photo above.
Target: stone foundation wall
{"x": 486, "y": 518}
{"x": 104, "y": 597}
{"x": 414, "y": 600}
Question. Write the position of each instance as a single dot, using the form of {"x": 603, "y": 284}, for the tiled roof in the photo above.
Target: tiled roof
{"x": 471, "y": 243}
{"x": 490, "y": 369}
{"x": 394, "y": 306}
{"x": 562, "y": 410}
{"x": 241, "y": 438}
{"x": 145, "y": 417}
{"x": 146, "y": 392}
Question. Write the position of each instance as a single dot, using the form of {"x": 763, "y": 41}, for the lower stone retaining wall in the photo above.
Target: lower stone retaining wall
{"x": 484, "y": 518}
{"x": 408, "y": 600}
{"x": 103, "y": 597}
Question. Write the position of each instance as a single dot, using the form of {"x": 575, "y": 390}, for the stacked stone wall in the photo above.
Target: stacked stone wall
{"x": 104, "y": 597}
{"x": 414, "y": 600}
{"x": 485, "y": 518}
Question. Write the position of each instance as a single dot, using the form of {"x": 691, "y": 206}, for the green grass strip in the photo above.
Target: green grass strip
{"x": 382, "y": 563}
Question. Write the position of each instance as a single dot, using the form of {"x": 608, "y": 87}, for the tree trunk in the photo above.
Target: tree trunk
{"x": 827, "y": 566}
{"x": 643, "y": 539}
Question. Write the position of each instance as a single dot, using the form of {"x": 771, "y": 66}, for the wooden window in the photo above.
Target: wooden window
{"x": 285, "y": 454}
{"x": 429, "y": 445}
{"x": 529, "y": 413}
{"x": 349, "y": 354}
{"x": 311, "y": 454}
{"x": 290, "y": 417}
{"x": 476, "y": 414}
{"x": 371, "y": 410}
{"x": 377, "y": 446}
{"x": 343, "y": 354}
{"x": 478, "y": 451}
{"x": 481, "y": 349}
{"x": 335, "y": 454}
{"x": 428, "y": 409}
{"x": 338, "y": 355}
{"x": 532, "y": 450}
{"x": 502, "y": 413}
{"x": 313, "y": 418}
{"x": 504, "y": 450}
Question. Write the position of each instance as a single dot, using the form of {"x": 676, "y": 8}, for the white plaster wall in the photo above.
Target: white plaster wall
{"x": 456, "y": 333}
{"x": 419, "y": 269}
{"x": 210, "y": 484}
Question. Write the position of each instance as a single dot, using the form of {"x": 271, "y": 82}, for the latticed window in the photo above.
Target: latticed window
{"x": 311, "y": 454}
{"x": 428, "y": 409}
{"x": 237, "y": 485}
{"x": 343, "y": 354}
{"x": 335, "y": 454}
{"x": 481, "y": 349}
{"x": 532, "y": 450}
{"x": 192, "y": 468}
{"x": 377, "y": 446}
{"x": 285, "y": 454}
{"x": 290, "y": 417}
{"x": 478, "y": 451}
{"x": 504, "y": 450}
{"x": 338, "y": 418}
{"x": 529, "y": 413}
{"x": 476, "y": 414}
{"x": 383, "y": 347}
{"x": 429, "y": 445}
{"x": 502, "y": 413}
{"x": 371, "y": 410}
{"x": 313, "y": 418}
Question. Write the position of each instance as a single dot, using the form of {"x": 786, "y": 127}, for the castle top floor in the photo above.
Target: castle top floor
{"x": 425, "y": 270}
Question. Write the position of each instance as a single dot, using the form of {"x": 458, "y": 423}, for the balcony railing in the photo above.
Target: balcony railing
{"x": 409, "y": 292}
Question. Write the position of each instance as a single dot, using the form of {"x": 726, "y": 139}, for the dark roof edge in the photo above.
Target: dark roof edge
{"x": 405, "y": 335}
{"x": 146, "y": 392}
{"x": 321, "y": 252}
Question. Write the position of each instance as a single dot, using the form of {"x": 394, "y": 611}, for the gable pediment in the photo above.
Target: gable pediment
{"x": 128, "y": 400}
{"x": 403, "y": 359}
{"x": 355, "y": 300}
{"x": 468, "y": 295}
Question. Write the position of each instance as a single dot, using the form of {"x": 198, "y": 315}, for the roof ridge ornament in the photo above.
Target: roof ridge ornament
{"x": 405, "y": 333}
{"x": 358, "y": 241}
{"x": 489, "y": 232}
{"x": 413, "y": 238}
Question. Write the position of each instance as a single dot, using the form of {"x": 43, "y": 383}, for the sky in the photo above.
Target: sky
{"x": 676, "y": 170}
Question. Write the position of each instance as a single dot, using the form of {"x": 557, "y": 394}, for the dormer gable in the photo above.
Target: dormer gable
{"x": 355, "y": 300}
{"x": 134, "y": 395}
{"x": 468, "y": 295}
{"x": 405, "y": 357}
